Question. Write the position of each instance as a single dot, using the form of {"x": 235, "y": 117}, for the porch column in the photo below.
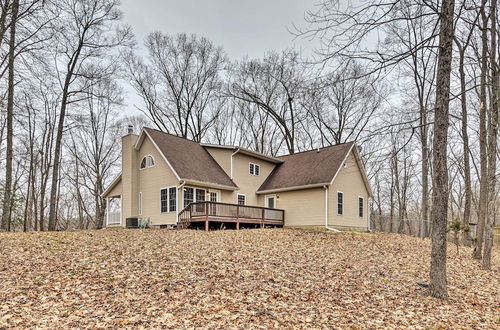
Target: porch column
{"x": 107, "y": 210}
{"x": 206, "y": 216}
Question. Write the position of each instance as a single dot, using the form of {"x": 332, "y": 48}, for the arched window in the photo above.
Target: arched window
{"x": 147, "y": 161}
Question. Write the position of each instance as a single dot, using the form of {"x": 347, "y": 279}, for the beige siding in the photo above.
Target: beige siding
{"x": 129, "y": 177}
{"x": 247, "y": 182}
{"x": 349, "y": 181}
{"x": 116, "y": 191}
{"x": 150, "y": 182}
{"x": 302, "y": 207}
{"x": 223, "y": 157}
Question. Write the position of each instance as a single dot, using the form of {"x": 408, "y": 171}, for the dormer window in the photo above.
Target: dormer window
{"x": 147, "y": 161}
{"x": 254, "y": 169}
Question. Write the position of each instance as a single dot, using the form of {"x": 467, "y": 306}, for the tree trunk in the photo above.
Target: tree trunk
{"x": 466, "y": 155}
{"x": 60, "y": 129}
{"x": 438, "y": 282}
{"x": 7, "y": 197}
{"x": 483, "y": 183}
{"x": 492, "y": 140}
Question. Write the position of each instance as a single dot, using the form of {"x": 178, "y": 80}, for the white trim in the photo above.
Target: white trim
{"x": 121, "y": 210}
{"x": 214, "y": 191}
{"x": 140, "y": 203}
{"x": 266, "y": 203}
{"x": 145, "y": 157}
{"x": 238, "y": 201}
{"x": 342, "y": 164}
{"x": 363, "y": 171}
{"x": 369, "y": 217}
{"x": 107, "y": 210}
{"x": 306, "y": 186}
{"x": 209, "y": 185}
{"x": 255, "y": 165}
{"x": 168, "y": 199}
{"x": 234, "y": 153}
{"x": 245, "y": 151}
{"x": 112, "y": 184}
{"x": 139, "y": 142}
{"x": 361, "y": 216}
{"x": 343, "y": 202}
{"x": 360, "y": 167}
{"x": 194, "y": 193}
{"x": 326, "y": 211}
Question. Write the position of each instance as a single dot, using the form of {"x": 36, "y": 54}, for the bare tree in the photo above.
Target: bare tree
{"x": 492, "y": 137}
{"x": 439, "y": 218}
{"x": 275, "y": 85}
{"x": 90, "y": 32}
{"x": 344, "y": 103}
{"x": 483, "y": 135}
{"x": 462, "y": 46}
{"x": 95, "y": 148}
{"x": 7, "y": 196}
{"x": 180, "y": 82}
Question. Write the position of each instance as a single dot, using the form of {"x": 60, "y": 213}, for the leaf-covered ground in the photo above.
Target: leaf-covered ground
{"x": 270, "y": 278}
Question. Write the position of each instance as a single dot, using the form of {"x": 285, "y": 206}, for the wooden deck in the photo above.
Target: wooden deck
{"x": 213, "y": 212}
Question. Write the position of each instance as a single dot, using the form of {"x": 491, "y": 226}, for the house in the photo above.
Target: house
{"x": 170, "y": 180}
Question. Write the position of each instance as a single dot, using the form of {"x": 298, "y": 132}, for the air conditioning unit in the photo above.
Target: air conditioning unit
{"x": 132, "y": 222}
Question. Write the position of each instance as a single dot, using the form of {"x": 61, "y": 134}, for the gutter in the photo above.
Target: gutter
{"x": 326, "y": 211}
{"x": 307, "y": 186}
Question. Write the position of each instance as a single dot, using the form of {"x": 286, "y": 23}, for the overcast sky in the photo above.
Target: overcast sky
{"x": 241, "y": 27}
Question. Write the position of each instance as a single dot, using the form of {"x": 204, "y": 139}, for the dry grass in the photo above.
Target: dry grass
{"x": 282, "y": 278}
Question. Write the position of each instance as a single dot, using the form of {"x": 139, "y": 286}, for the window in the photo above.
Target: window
{"x": 241, "y": 199}
{"x": 192, "y": 195}
{"x": 340, "y": 203}
{"x": 168, "y": 199}
{"x": 172, "y": 199}
{"x": 270, "y": 201}
{"x": 188, "y": 196}
{"x": 147, "y": 161}
{"x": 200, "y": 195}
{"x": 254, "y": 169}
{"x": 140, "y": 203}
{"x": 361, "y": 208}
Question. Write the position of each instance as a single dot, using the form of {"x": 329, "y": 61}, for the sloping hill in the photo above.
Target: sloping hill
{"x": 284, "y": 278}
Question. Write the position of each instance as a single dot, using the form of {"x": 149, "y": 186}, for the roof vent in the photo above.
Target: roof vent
{"x": 317, "y": 150}
{"x": 130, "y": 129}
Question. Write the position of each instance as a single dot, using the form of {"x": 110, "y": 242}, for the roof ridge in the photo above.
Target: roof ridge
{"x": 315, "y": 149}
{"x": 170, "y": 134}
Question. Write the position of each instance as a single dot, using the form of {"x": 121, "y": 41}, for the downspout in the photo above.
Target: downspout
{"x": 234, "y": 153}
{"x": 326, "y": 211}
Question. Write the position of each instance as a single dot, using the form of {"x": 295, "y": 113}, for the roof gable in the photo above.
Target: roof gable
{"x": 188, "y": 159}
{"x": 309, "y": 168}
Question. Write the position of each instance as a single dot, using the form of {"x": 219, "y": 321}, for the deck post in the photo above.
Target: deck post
{"x": 206, "y": 216}
{"x": 238, "y": 217}
{"x": 262, "y": 220}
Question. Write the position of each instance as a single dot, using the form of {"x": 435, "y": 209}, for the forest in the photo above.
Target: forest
{"x": 415, "y": 83}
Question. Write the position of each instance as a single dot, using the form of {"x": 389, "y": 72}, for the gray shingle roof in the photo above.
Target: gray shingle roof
{"x": 189, "y": 159}
{"x": 307, "y": 168}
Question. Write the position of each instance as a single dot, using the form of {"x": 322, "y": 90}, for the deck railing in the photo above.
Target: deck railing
{"x": 221, "y": 212}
